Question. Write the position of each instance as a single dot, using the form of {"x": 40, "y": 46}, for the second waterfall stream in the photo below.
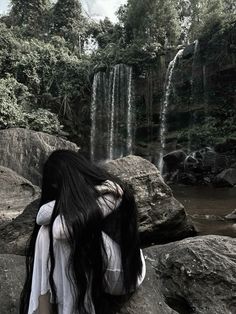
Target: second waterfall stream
{"x": 112, "y": 113}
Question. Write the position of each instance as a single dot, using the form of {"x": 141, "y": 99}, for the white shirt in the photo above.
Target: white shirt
{"x": 113, "y": 276}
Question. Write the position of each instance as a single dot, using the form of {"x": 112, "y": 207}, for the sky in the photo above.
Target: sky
{"x": 97, "y": 9}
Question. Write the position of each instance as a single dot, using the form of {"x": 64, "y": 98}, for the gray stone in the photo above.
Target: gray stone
{"x": 226, "y": 178}
{"x": 15, "y": 194}
{"x": 14, "y": 235}
{"x": 162, "y": 218}
{"x": 12, "y": 272}
{"x": 25, "y": 151}
{"x": 174, "y": 159}
{"x": 197, "y": 275}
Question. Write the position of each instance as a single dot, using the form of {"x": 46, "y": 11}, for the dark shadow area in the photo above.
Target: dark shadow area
{"x": 179, "y": 304}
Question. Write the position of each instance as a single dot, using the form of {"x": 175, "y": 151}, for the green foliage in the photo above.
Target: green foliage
{"x": 30, "y": 15}
{"x": 44, "y": 121}
{"x": 202, "y": 17}
{"x": 69, "y": 23}
{"x": 16, "y": 109}
{"x": 154, "y": 20}
{"x": 13, "y": 101}
{"x": 216, "y": 128}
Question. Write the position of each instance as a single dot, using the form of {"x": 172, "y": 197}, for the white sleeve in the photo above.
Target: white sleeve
{"x": 59, "y": 229}
{"x": 45, "y": 213}
{"x": 113, "y": 277}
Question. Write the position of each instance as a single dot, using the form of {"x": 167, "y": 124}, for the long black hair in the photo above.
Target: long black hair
{"x": 71, "y": 179}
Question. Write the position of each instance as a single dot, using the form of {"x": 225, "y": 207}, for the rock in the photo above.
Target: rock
{"x": 187, "y": 178}
{"x": 174, "y": 159}
{"x": 159, "y": 211}
{"x": 14, "y": 235}
{"x": 231, "y": 216}
{"x": 12, "y": 271}
{"x": 226, "y": 178}
{"x": 15, "y": 194}
{"x": 197, "y": 275}
{"x": 146, "y": 300}
{"x": 25, "y": 151}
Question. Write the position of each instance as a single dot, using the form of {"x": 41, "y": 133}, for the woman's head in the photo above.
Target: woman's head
{"x": 68, "y": 169}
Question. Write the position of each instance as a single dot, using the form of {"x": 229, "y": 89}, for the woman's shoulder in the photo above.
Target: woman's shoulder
{"x": 50, "y": 204}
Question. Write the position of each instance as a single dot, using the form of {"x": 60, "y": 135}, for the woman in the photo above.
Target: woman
{"x": 85, "y": 239}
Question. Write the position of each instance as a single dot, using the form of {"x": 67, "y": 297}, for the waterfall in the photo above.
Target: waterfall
{"x": 93, "y": 115}
{"x": 112, "y": 113}
{"x": 129, "y": 115}
{"x": 191, "y": 119}
{"x": 111, "y": 136}
{"x": 164, "y": 107}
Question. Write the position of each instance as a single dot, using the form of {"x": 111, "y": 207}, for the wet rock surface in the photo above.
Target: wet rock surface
{"x": 202, "y": 167}
{"x": 25, "y": 151}
{"x": 226, "y": 178}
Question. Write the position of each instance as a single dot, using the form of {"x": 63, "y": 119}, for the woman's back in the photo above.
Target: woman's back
{"x": 88, "y": 235}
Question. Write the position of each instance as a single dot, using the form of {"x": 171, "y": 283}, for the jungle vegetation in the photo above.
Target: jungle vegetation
{"x": 46, "y": 70}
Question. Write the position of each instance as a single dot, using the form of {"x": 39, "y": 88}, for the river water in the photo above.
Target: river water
{"x": 207, "y": 206}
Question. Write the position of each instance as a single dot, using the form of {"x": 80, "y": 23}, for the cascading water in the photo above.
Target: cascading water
{"x": 129, "y": 115}
{"x": 192, "y": 118}
{"x": 93, "y": 115}
{"x": 164, "y": 107}
{"x": 111, "y": 136}
{"x": 112, "y": 113}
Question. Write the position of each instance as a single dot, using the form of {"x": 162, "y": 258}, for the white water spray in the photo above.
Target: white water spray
{"x": 164, "y": 107}
{"x": 111, "y": 136}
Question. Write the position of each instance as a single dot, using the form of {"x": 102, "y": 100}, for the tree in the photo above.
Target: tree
{"x": 69, "y": 22}
{"x": 152, "y": 21}
{"x": 199, "y": 17}
{"x": 30, "y": 15}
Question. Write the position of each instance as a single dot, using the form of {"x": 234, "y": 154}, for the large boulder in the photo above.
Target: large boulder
{"x": 174, "y": 159}
{"x": 162, "y": 218}
{"x": 15, "y": 194}
{"x": 197, "y": 275}
{"x": 25, "y": 151}
{"x": 148, "y": 299}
